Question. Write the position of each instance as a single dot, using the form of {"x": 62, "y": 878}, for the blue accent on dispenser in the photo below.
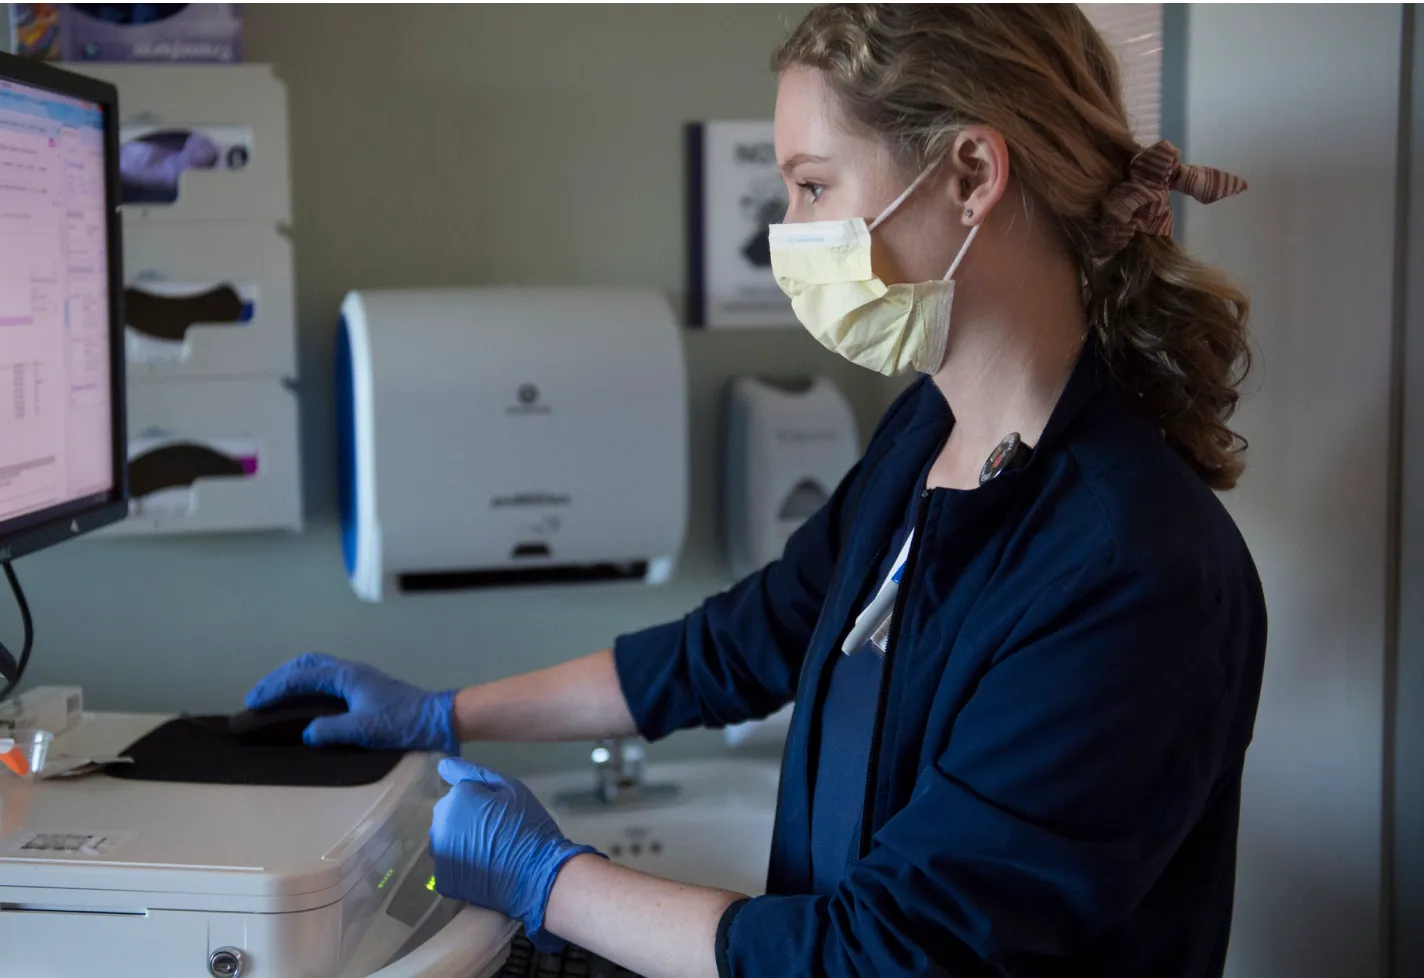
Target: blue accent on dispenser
{"x": 346, "y": 489}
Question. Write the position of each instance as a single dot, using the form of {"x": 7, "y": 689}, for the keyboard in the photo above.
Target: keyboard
{"x": 574, "y": 962}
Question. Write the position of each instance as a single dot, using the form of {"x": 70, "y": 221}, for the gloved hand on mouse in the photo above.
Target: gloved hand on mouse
{"x": 382, "y": 713}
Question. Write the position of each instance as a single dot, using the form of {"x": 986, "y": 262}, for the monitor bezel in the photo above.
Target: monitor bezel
{"x": 44, "y": 528}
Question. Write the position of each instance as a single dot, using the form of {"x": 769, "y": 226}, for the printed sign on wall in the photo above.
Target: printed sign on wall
{"x": 734, "y": 194}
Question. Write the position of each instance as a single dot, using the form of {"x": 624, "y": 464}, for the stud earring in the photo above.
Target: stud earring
{"x": 968, "y": 213}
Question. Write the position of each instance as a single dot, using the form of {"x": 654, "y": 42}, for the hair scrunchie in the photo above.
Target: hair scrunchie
{"x": 1142, "y": 204}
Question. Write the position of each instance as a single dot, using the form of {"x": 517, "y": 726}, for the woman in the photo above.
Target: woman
{"x": 1024, "y": 638}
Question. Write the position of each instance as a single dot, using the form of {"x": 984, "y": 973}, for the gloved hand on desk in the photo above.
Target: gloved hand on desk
{"x": 382, "y": 713}
{"x": 497, "y": 847}
{"x": 493, "y": 843}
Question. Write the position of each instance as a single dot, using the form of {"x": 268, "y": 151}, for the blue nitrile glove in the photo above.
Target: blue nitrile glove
{"x": 382, "y": 713}
{"x": 495, "y": 846}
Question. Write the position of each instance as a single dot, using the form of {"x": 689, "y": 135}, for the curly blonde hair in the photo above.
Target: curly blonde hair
{"x": 1172, "y": 330}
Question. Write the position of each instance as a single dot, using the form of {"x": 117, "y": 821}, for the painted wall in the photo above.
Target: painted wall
{"x": 527, "y": 144}
{"x": 1304, "y": 103}
{"x": 444, "y": 145}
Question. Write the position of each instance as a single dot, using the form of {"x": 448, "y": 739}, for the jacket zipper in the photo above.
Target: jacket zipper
{"x": 816, "y": 630}
{"x": 877, "y": 730}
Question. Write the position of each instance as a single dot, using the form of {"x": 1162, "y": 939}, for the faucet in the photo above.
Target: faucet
{"x": 618, "y": 768}
{"x": 618, "y": 779}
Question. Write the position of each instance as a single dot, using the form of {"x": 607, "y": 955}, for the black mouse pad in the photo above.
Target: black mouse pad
{"x": 202, "y": 750}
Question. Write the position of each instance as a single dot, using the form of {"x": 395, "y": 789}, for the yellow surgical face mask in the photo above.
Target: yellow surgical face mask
{"x": 824, "y": 267}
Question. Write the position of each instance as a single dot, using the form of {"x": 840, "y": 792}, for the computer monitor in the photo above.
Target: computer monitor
{"x": 63, "y": 468}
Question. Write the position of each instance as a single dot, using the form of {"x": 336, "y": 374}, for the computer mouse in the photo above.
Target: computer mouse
{"x": 282, "y": 722}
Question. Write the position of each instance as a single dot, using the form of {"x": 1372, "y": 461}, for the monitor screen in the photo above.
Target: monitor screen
{"x": 58, "y": 397}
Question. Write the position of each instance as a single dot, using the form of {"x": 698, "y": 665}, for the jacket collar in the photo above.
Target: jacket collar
{"x": 1090, "y": 374}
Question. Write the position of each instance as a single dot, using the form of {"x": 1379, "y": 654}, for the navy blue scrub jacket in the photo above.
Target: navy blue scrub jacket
{"x": 1068, "y": 692}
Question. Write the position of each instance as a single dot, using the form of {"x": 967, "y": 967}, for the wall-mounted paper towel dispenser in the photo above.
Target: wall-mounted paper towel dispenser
{"x": 500, "y": 436}
{"x": 785, "y": 448}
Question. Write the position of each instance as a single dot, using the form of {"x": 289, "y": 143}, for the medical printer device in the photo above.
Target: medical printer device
{"x": 145, "y": 879}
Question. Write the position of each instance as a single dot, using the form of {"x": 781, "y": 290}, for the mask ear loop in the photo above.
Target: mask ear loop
{"x": 914, "y": 185}
{"x": 962, "y": 249}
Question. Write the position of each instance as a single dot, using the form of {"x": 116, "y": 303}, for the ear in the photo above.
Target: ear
{"x": 979, "y": 172}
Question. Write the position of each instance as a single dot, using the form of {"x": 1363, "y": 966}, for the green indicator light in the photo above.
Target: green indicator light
{"x": 386, "y": 879}
{"x": 431, "y": 885}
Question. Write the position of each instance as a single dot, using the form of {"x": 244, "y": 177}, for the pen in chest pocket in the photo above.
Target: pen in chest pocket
{"x": 873, "y": 623}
